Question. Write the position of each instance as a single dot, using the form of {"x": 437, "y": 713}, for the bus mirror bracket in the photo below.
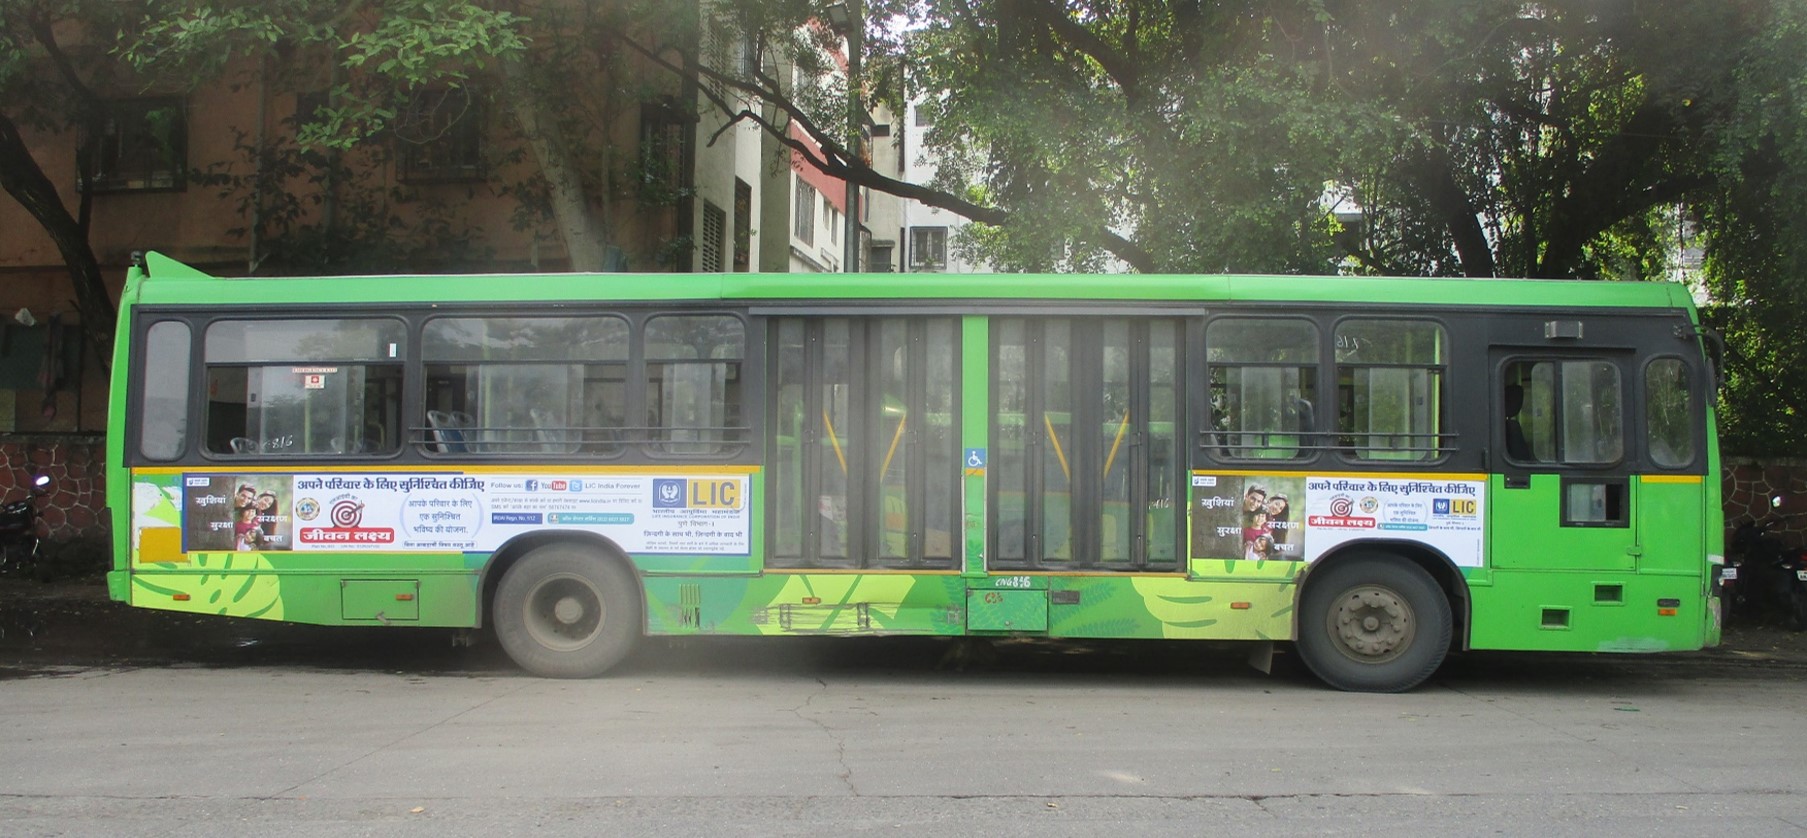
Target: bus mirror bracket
{"x": 1715, "y": 346}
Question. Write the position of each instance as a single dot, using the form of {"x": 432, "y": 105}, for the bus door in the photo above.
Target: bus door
{"x": 1560, "y": 493}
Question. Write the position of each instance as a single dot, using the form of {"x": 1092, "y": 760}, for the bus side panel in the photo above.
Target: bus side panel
{"x": 807, "y": 603}
{"x": 423, "y": 589}
{"x": 1671, "y": 527}
{"x": 1245, "y": 607}
{"x": 1587, "y": 611}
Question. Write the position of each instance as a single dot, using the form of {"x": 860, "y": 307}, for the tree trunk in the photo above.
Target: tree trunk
{"x": 25, "y": 180}
{"x": 1435, "y": 182}
{"x": 583, "y": 234}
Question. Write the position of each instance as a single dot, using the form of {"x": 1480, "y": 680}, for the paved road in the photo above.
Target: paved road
{"x": 223, "y": 728}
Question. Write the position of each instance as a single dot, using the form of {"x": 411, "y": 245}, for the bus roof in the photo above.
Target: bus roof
{"x": 174, "y": 283}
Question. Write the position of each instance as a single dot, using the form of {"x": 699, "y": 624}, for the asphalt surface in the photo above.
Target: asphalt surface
{"x": 118, "y": 721}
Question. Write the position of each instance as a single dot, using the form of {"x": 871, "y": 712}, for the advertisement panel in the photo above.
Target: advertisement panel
{"x": 644, "y": 514}
{"x": 1260, "y": 517}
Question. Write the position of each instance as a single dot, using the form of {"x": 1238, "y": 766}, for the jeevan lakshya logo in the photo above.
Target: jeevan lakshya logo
{"x": 1340, "y": 516}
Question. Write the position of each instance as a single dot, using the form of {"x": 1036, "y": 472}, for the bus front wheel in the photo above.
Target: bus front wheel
{"x": 564, "y": 612}
{"x": 1373, "y": 623}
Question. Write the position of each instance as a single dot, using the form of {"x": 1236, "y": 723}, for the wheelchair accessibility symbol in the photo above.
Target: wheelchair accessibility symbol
{"x": 975, "y": 458}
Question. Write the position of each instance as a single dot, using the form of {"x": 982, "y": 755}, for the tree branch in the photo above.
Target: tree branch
{"x": 1118, "y": 65}
{"x": 25, "y": 181}
{"x": 835, "y": 160}
{"x": 41, "y": 29}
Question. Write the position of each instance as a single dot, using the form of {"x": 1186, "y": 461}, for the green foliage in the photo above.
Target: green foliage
{"x": 389, "y": 49}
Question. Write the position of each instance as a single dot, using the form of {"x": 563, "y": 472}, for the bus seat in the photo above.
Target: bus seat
{"x": 448, "y": 438}
{"x": 551, "y": 435}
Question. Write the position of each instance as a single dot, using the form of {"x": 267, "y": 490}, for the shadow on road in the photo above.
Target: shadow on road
{"x": 46, "y": 630}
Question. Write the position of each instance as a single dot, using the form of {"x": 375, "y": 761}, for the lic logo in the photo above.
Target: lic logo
{"x": 669, "y": 494}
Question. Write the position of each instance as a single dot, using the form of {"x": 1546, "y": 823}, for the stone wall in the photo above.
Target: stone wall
{"x": 76, "y": 464}
{"x": 1749, "y": 484}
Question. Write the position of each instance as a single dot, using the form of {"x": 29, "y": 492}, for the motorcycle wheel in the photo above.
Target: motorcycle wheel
{"x": 15, "y": 557}
{"x": 1797, "y": 609}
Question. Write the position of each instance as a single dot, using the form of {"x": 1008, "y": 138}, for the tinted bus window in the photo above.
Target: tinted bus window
{"x": 163, "y": 420}
{"x": 1390, "y": 388}
{"x": 693, "y": 383}
{"x": 1669, "y": 410}
{"x": 520, "y": 385}
{"x": 1263, "y": 374}
{"x": 1571, "y": 412}
{"x": 303, "y": 386}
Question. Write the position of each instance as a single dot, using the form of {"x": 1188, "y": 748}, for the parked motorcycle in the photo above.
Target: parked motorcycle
{"x": 1764, "y": 576}
{"x": 20, "y": 547}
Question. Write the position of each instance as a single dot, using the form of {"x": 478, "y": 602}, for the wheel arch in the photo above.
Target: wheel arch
{"x": 512, "y": 550}
{"x": 1434, "y": 562}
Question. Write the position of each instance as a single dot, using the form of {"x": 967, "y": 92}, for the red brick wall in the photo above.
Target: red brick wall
{"x": 76, "y": 464}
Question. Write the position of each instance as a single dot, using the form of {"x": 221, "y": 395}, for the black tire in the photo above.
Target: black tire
{"x": 1797, "y": 609}
{"x": 1373, "y": 623}
{"x": 564, "y": 611}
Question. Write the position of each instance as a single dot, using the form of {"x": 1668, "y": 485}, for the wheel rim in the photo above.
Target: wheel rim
{"x": 564, "y": 612}
{"x": 1372, "y": 624}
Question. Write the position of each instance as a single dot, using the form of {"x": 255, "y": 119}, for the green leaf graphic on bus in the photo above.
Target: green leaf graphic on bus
{"x": 229, "y": 584}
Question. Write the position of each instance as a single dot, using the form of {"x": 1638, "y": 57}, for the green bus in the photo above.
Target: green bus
{"x": 1375, "y": 471}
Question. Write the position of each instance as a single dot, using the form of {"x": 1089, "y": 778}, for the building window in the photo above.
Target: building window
{"x": 831, "y": 222}
{"x": 743, "y": 226}
{"x": 879, "y": 261}
{"x": 928, "y": 248}
{"x": 715, "y": 237}
{"x": 661, "y": 149}
{"x": 440, "y": 133}
{"x": 143, "y": 145}
{"x": 804, "y": 212}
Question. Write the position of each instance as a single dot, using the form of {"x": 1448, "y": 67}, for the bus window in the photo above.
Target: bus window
{"x": 303, "y": 386}
{"x": 693, "y": 383}
{"x": 163, "y": 420}
{"x": 1263, "y": 379}
{"x": 522, "y": 385}
{"x": 1572, "y": 412}
{"x": 1390, "y": 388}
{"x": 1669, "y": 411}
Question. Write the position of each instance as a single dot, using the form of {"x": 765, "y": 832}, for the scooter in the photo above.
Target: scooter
{"x": 1764, "y": 575}
{"x": 20, "y": 547}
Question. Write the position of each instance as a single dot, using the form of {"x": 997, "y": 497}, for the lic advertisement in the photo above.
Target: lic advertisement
{"x": 1297, "y": 517}
{"x": 647, "y": 515}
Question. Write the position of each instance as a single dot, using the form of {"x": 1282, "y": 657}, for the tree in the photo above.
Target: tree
{"x": 1755, "y": 232}
{"x": 48, "y": 87}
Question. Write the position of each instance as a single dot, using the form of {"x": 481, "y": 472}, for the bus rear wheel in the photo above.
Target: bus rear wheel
{"x": 1373, "y": 623}
{"x": 564, "y": 612}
